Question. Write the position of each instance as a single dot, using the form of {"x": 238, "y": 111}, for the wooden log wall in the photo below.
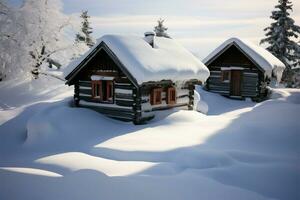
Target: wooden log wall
{"x": 122, "y": 108}
{"x": 215, "y": 84}
{"x": 251, "y": 82}
{"x": 182, "y": 98}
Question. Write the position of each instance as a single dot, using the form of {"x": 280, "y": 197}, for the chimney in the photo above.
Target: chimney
{"x": 149, "y": 37}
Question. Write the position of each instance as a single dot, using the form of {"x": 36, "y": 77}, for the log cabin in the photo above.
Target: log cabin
{"x": 240, "y": 69}
{"x": 131, "y": 77}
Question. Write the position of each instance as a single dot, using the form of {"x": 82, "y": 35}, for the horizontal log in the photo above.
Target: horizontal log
{"x": 84, "y": 87}
{"x": 250, "y": 75}
{"x": 128, "y": 87}
{"x": 85, "y": 91}
{"x": 107, "y": 73}
{"x": 247, "y": 79}
{"x": 85, "y": 98}
{"x": 215, "y": 72}
{"x": 124, "y": 91}
{"x": 123, "y": 96}
{"x": 125, "y": 103}
{"x": 182, "y": 96}
{"x": 122, "y": 81}
{"x": 108, "y": 107}
{"x": 85, "y": 84}
{"x": 84, "y": 95}
{"x": 169, "y": 106}
{"x": 250, "y": 84}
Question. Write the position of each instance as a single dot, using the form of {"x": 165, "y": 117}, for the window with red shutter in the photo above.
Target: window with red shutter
{"x": 109, "y": 90}
{"x": 155, "y": 98}
{"x": 97, "y": 90}
{"x": 171, "y": 95}
{"x": 102, "y": 90}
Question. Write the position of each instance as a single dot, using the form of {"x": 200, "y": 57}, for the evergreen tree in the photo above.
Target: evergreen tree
{"x": 160, "y": 29}
{"x": 280, "y": 36}
{"x": 86, "y": 30}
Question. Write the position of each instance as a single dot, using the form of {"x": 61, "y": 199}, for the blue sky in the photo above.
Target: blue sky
{"x": 200, "y": 25}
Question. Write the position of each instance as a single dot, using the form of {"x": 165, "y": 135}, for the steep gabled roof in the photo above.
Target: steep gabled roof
{"x": 166, "y": 61}
{"x": 263, "y": 58}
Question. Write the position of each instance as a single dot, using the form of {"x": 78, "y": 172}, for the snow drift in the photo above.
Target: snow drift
{"x": 239, "y": 150}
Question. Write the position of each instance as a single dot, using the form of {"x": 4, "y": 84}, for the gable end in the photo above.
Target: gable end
{"x": 102, "y": 46}
{"x": 241, "y": 50}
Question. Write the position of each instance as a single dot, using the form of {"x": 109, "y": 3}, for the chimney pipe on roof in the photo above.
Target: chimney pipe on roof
{"x": 149, "y": 37}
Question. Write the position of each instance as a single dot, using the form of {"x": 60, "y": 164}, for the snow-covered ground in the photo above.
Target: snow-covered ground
{"x": 240, "y": 150}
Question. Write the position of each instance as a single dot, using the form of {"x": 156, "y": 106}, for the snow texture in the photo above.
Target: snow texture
{"x": 239, "y": 150}
{"x": 269, "y": 63}
{"x": 167, "y": 60}
{"x": 200, "y": 105}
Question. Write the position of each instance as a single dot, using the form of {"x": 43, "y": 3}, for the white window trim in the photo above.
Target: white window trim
{"x": 104, "y": 78}
{"x": 231, "y": 68}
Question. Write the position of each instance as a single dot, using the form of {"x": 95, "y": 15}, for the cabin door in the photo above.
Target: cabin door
{"x": 236, "y": 83}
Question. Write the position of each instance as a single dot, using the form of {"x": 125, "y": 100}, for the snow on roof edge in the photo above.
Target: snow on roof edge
{"x": 267, "y": 61}
{"x": 168, "y": 60}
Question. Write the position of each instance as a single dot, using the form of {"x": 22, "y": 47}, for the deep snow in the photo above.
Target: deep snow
{"x": 239, "y": 150}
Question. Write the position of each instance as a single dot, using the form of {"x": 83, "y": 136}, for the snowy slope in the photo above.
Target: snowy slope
{"x": 240, "y": 150}
{"x": 167, "y": 60}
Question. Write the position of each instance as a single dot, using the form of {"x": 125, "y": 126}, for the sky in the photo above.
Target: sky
{"x": 199, "y": 25}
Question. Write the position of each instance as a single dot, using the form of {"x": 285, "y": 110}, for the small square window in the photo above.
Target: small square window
{"x": 103, "y": 91}
{"x": 225, "y": 77}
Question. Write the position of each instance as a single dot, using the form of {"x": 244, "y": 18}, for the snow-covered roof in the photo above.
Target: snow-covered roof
{"x": 268, "y": 62}
{"x": 167, "y": 60}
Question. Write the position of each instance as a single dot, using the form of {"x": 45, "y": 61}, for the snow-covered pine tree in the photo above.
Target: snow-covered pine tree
{"x": 160, "y": 29}
{"x": 86, "y": 30}
{"x": 280, "y": 36}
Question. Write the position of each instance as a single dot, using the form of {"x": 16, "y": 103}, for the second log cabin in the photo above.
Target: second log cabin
{"x": 240, "y": 69}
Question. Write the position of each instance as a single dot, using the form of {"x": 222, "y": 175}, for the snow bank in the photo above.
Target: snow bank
{"x": 167, "y": 60}
{"x": 200, "y": 105}
{"x": 269, "y": 63}
{"x": 20, "y": 92}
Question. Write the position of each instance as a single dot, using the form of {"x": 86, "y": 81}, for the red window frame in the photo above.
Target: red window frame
{"x": 109, "y": 91}
{"x": 171, "y": 95}
{"x": 156, "y": 96}
{"x": 98, "y": 90}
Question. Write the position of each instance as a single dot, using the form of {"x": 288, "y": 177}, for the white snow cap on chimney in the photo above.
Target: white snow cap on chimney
{"x": 149, "y": 37}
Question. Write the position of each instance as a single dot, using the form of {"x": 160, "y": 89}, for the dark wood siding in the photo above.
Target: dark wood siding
{"x": 103, "y": 65}
{"x": 251, "y": 80}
